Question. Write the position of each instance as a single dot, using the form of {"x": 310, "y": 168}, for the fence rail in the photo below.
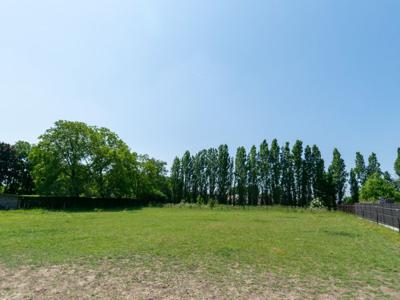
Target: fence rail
{"x": 387, "y": 214}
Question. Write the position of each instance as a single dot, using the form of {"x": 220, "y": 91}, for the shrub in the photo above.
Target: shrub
{"x": 212, "y": 202}
{"x": 317, "y": 203}
{"x": 376, "y": 187}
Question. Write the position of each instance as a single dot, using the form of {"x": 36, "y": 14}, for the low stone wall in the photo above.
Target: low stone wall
{"x": 9, "y": 202}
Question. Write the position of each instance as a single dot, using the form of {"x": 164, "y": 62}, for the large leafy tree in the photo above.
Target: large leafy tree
{"x": 241, "y": 175}
{"x": 252, "y": 167}
{"x": 338, "y": 173}
{"x": 153, "y": 183}
{"x": 264, "y": 173}
{"x": 74, "y": 159}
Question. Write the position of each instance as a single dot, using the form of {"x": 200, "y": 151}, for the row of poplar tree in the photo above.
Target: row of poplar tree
{"x": 269, "y": 174}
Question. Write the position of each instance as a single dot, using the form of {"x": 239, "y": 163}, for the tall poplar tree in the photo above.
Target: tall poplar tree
{"x": 223, "y": 173}
{"x": 212, "y": 170}
{"x": 307, "y": 177}
{"x": 337, "y": 170}
{"x": 297, "y": 154}
{"x": 252, "y": 167}
{"x": 354, "y": 187}
{"x": 287, "y": 176}
{"x": 241, "y": 175}
{"x": 176, "y": 180}
{"x": 360, "y": 169}
{"x": 374, "y": 166}
{"x": 264, "y": 173}
{"x": 187, "y": 171}
{"x": 275, "y": 171}
{"x": 318, "y": 173}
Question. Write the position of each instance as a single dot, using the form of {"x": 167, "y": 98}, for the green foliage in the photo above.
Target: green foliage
{"x": 264, "y": 173}
{"x": 354, "y": 187}
{"x": 397, "y": 163}
{"x": 287, "y": 177}
{"x": 298, "y": 169}
{"x": 252, "y": 168}
{"x": 317, "y": 203}
{"x": 360, "y": 169}
{"x": 74, "y": 159}
{"x": 374, "y": 166}
{"x": 223, "y": 182}
{"x": 376, "y": 187}
{"x": 275, "y": 171}
{"x": 337, "y": 171}
{"x": 15, "y": 169}
{"x": 241, "y": 175}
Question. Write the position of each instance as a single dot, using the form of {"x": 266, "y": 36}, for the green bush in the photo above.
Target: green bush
{"x": 376, "y": 187}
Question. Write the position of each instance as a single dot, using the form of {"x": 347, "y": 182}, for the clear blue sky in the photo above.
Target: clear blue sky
{"x": 174, "y": 75}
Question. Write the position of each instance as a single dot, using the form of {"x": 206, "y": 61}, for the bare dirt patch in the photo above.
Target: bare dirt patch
{"x": 123, "y": 279}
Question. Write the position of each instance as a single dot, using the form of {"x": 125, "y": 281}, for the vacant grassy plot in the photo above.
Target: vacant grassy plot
{"x": 196, "y": 252}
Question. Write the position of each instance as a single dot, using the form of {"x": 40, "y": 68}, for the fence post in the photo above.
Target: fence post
{"x": 377, "y": 216}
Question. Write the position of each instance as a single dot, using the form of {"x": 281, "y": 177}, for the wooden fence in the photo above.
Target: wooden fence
{"x": 387, "y": 214}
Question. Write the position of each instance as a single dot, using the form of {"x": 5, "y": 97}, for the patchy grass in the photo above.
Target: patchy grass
{"x": 268, "y": 249}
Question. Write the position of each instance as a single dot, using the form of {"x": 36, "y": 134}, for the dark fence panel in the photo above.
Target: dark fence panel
{"x": 50, "y": 202}
{"x": 387, "y": 214}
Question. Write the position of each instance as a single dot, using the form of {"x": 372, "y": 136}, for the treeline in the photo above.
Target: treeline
{"x": 274, "y": 174}
{"x": 73, "y": 159}
{"x": 76, "y": 160}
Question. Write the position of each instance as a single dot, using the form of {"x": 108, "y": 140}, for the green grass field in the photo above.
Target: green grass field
{"x": 324, "y": 252}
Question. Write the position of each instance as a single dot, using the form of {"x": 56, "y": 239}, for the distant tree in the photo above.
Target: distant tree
{"x": 252, "y": 167}
{"x": 223, "y": 182}
{"x": 376, "y": 187}
{"x": 307, "y": 177}
{"x": 212, "y": 171}
{"x": 374, "y": 166}
{"x": 337, "y": 170}
{"x": 176, "y": 180}
{"x": 153, "y": 183}
{"x": 397, "y": 163}
{"x": 297, "y": 154}
{"x": 232, "y": 191}
{"x": 287, "y": 176}
{"x": 329, "y": 191}
{"x": 8, "y": 169}
{"x": 354, "y": 187}
{"x": 187, "y": 173}
{"x": 360, "y": 169}
{"x": 241, "y": 175}
{"x": 275, "y": 171}
{"x": 318, "y": 173}
{"x": 264, "y": 173}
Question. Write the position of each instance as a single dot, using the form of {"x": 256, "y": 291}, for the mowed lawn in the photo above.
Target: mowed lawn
{"x": 323, "y": 251}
